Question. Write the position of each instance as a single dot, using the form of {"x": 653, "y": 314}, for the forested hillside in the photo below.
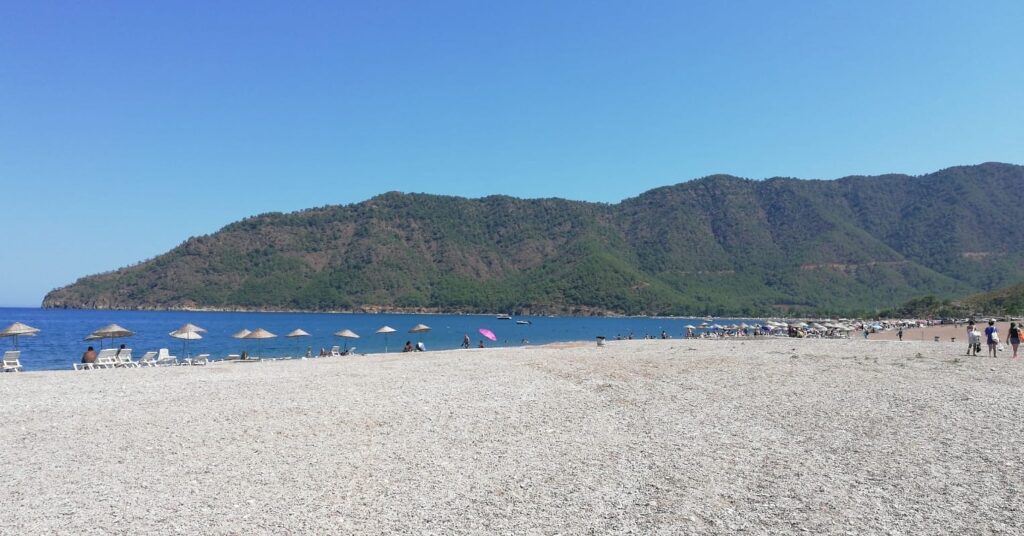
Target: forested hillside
{"x": 718, "y": 245}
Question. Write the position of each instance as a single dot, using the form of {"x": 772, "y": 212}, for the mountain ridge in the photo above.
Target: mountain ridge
{"x": 719, "y": 244}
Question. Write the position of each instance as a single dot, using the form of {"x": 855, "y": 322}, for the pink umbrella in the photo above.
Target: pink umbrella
{"x": 489, "y": 334}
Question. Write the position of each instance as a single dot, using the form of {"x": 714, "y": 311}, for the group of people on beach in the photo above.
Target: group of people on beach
{"x": 992, "y": 340}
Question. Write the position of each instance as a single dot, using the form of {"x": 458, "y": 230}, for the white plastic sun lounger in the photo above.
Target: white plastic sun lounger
{"x": 148, "y": 359}
{"x": 124, "y": 359}
{"x": 12, "y": 361}
{"x": 201, "y": 359}
{"x": 336, "y": 351}
{"x": 164, "y": 358}
{"x": 106, "y": 358}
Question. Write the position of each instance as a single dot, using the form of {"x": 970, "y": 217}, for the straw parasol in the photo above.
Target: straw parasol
{"x": 186, "y": 336}
{"x": 385, "y": 330}
{"x": 111, "y": 331}
{"x": 18, "y": 329}
{"x": 420, "y": 328}
{"x": 298, "y": 333}
{"x": 259, "y": 334}
{"x": 347, "y": 334}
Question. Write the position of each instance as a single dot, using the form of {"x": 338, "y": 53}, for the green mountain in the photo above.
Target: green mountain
{"x": 1008, "y": 300}
{"x": 718, "y": 245}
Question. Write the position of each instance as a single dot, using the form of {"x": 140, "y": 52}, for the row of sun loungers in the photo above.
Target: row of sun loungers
{"x": 122, "y": 358}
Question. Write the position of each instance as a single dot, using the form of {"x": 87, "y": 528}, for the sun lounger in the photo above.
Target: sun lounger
{"x": 106, "y": 358}
{"x": 201, "y": 359}
{"x": 12, "y": 361}
{"x": 124, "y": 359}
{"x": 148, "y": 359}
{"x": 165, "y": 359}
{"x": 336, "y": 351}
{"x": 350, "y": 351}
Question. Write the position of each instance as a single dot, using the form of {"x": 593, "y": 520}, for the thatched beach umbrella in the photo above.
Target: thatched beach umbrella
{"x": 298, "y": 333}
{"x": 347, "y": 334}
{"x": 241, "y": 335}
{"x": 385, "y": 330}
{"x": 186, "y": 336}
{"x": 112, "y": 331}
{"x": 18, "y": 329}
{"x": 420, "y": 328}
{"x": 259, "y": 334}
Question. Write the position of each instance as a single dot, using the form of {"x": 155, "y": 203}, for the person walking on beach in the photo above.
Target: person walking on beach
{"x": 900, "y": 333}
{"x": 465, "y": 341}
{"x": 1014, "y": 337}
{"x": 992, "y": 337}
{"x": 973, "y": 341}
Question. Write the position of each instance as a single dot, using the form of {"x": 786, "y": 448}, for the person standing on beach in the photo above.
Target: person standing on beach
{"x": 900, "y": 333}
{"x": 992, "y": 337}
{"x": 465, "y": 341}
{"x": 970, "y": 334}
{"x": 1013, "y": 337}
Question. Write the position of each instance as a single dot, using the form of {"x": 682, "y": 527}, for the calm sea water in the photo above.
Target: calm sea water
{"x": 60, "y": 343}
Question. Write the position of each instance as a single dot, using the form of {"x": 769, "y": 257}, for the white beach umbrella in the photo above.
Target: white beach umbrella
{"x": 385, "y": 330}
{"x": 420, "y": 328}
{"x": 18, "y": 329}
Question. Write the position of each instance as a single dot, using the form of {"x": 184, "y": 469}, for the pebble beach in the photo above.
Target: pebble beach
{"x": 765, "y": 436}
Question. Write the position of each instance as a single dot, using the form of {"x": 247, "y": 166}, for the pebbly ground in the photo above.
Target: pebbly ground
{"x": 776, "y": 436}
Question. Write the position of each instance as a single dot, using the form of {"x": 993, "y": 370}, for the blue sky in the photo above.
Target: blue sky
{"x": 126, "y": 127}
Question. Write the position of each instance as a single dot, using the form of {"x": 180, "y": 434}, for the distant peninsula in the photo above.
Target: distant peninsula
{"x": 718, "y": 245}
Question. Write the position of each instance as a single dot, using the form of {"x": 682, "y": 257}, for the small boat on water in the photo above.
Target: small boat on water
{"x": 523, "y": 322}
{"x": 504, "y": 317}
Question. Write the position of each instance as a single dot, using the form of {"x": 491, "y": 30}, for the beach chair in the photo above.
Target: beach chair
{"x": 148, "y": 359}
{"x": 124, "y": 359}
{"x": 107, "y": 358}
{"x": 165, "y": 359}
{"x": 201, "y": 359}
{"x": 336, "y": 351}
{"x": 350, "y": 351}
{"x": 12, "y": 361}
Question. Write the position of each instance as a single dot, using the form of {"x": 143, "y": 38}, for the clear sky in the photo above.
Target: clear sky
{"x": 126, "y": 127}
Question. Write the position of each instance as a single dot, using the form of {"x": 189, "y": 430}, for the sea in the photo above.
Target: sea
{"x": 61, "y": 340}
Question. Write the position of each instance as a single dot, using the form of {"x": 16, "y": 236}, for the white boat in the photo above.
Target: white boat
{"x": 504, "y": 317}
{"x": 523, "y": 322}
